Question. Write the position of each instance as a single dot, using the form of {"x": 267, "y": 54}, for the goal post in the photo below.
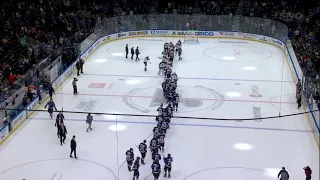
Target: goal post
{"x": 191, "y": 37}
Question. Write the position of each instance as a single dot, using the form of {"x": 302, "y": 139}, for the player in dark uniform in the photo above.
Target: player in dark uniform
{"x": 156, "y": 157}
{"x": 135, "y": 169}
{"x": 167, "y": 167}
{"x": 160, "y": 109}
{"x": 129, "y": 158}
{"x": 154, "y": 145}
{"x": 161, "y": 141}
{"x": 50, "y": 105}
{"x": 167, "y": 72}
{"x": 159, "y": 118}
{"x": 143, "y": 150}
{"x": 156, "y": 131}
{"x": 175, "y": 101}
{"x": 169, "y": 108}
{"x": 164, "y": 126}
{"x": 156, "y": 169}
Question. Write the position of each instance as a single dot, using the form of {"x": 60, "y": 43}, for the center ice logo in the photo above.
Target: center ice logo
{"x": 255, "y": 92}
{"x": 146, "y": 100}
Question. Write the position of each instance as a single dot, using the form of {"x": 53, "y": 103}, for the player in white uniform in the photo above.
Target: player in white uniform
{"x": 145, "y": 62}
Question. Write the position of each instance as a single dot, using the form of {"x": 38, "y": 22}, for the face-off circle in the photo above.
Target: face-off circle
{"x": 59, "y": 168}
{"x": 237, "y": 53}
{"x": 149, "y": 99}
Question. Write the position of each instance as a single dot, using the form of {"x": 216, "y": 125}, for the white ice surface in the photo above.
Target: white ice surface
{"x": 216, "y": 80}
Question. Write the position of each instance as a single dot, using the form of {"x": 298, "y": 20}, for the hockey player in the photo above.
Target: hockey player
{"x": 159, "y": 118}
{"x": 156, "y": 169}
{"x": 50, "y": 105}
{"x": 132, "y": 53}
{"x": 167, "y": 165}
{"x": 160, "y": 109}
{"x": 156, "y": 131}
{"x": 175, "y": 101}
{"x": 156, "y": 157}
{"x": 161, "y": 141}
{"x": 164, "y": 126}
{"x": 154, "y": 145}
{"x": 89, "y": 122}
{"x": 167, "y": 119}
{"x": 145, "y": 62}
{"x": 74, "y": 84}
{"x": 166, "y": 46}
{"x": 179, "y": 54}
{"x": 137, "y": 54}
{"x": 162, "y": 65}
{"x": 135, "y": 169}
{"x": 143, "y": 150}
{"x": 169, "y": 109}
{"x": 167, "y": 72}
{"x": 129, "y": 158}
{"x": 174, "y": 77}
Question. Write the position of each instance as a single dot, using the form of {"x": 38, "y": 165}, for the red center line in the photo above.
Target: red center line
{"x": 186, "y": 98}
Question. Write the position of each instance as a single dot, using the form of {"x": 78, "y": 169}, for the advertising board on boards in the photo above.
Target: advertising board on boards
{"x": 14, "y": 123}
{"x": 4, "y": 132}
{"x": 120, "y": 35}
{"x": 204, "y": 33}
{"x": 159, "y": 32}
{"x": 138, "y": 33}
{"x": 226, "y": 33}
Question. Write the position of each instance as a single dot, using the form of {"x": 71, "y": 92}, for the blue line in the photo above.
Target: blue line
{"x": 190, "y": 78}
{"x": 192, "y": 125}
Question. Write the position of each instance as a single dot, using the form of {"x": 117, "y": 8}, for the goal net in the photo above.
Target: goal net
{"x": 191, "y": 38}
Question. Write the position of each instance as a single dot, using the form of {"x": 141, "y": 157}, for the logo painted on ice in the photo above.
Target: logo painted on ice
{"x": 255, "y": 92}
{"x": 256, "y": 111}
{"x": 133, "y": 99}
{"x": 86, "y": 105}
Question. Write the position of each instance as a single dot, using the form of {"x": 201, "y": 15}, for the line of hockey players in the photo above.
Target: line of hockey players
{"x": 163, "y": 119}
{"x": 169, "y": 52}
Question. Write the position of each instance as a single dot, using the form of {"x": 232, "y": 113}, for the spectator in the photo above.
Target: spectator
{"x": 39, "y": 95}
{"x": 11, "y": 78}
{"x": 25, "y": 100}
{"x": 30, "y": 95}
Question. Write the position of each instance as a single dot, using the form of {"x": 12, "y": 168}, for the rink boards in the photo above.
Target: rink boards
{"x": 313, "y": 117}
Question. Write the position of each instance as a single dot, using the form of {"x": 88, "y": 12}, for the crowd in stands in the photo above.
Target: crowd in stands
{"x": 34, "y": 30}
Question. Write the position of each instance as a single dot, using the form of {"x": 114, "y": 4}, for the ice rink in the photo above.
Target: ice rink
{"x": 218, "y": 78}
